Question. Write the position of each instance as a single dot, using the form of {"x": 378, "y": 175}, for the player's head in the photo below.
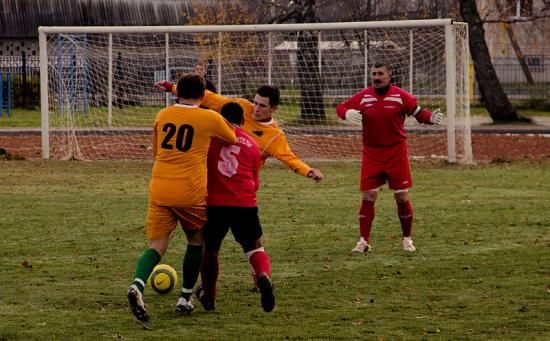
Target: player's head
{"x": 191, "y": 86}
{"x": 266, "y": 101}
{"x": 233, "y": 112}
{"x": 201, "y": 67}
{"x": 381, "y": 76}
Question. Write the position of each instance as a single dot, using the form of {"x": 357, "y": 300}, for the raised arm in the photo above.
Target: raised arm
{"x": 211, "y": 100}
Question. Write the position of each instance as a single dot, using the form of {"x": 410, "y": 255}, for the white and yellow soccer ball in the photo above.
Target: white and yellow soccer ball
{"x": 163, "y": 279}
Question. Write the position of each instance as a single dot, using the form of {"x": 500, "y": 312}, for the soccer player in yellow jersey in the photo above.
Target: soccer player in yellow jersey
{"x": 177, "y": 192}
{"x": 259, "y": 124}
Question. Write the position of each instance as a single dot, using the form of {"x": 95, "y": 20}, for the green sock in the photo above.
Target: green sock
{"x": 191, "y": 269}
{"x": 145, "y": 266}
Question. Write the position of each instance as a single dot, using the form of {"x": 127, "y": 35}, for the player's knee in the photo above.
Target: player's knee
{"x": 401, "y": 196}
{"x": 160, "y": 245}
{"x": 370, "y": 195}
{"x": 252, "y": 245}
{"x": 194, "y": 237}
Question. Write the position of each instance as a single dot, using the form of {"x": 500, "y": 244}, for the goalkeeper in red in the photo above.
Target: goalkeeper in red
{"x": 381, "y": 111}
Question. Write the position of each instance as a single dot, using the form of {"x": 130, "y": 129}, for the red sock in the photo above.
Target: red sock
{"x": 405, "y": 213}
{"x": 366, "y": 215}
{"x": 210, "y": 270}
{"x": 260, "y": 262}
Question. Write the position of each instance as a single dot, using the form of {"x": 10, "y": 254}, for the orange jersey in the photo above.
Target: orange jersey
{"x": 270, "y": 138}
{"x": 181, "y": 139}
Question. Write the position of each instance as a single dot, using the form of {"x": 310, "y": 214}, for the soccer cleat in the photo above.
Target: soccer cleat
{"x": 184, "y": 306}
{"x": 408, "y": 244}
{"x": 362, "y": 246}
{"x": 135, "y": 297}
{"x": 266, "y": 290}
{"x": 200, "y": 297}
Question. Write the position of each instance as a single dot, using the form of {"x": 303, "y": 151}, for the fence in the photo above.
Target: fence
{"x": 514, "y": 81}
{"x": 20, "y": 77}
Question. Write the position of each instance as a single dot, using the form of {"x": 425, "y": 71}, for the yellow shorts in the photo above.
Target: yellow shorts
{"x": 162, "y": 220}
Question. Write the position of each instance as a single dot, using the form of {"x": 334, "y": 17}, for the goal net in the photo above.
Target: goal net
{"x": 98, "y": 99}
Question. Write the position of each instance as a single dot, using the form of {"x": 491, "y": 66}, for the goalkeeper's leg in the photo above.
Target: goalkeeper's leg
{"x": 405, "y": 213}
{"x": 366, "y": 216}
{"x": 366, "y": 213}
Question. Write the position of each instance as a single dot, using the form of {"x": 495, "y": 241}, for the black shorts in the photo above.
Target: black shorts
{"x": 243, "y": 221}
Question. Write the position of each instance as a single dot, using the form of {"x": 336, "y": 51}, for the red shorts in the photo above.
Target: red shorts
{"x": 385, "y": 164}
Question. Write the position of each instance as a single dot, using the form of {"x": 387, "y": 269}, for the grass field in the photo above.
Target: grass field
{"x": 72, "y": 231}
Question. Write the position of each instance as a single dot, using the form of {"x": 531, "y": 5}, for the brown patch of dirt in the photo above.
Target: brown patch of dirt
{"x": 485, "y": 147}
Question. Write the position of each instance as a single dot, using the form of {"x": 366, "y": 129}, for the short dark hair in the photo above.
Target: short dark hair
{"x": 270, "y": 91}
{"x": 202, "y": 63}
{"x": 233, "y": 112}
{"x": 191, "y": 85}
{"x": 382, "y": 64}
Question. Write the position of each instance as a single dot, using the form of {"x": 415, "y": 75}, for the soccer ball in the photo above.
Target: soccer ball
{"x": 163, "y": 279}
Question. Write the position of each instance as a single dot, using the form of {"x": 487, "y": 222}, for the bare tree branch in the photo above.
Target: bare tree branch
{"x": 513, "y": 20}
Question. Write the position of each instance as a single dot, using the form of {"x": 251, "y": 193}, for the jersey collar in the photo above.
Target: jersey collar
{"x": 185, "y": 105}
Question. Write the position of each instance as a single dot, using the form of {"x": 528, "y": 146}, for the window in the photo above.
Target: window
{"x": 535, "y": 62}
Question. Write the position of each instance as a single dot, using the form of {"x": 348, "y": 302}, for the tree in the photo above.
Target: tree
{"x": 492, "y": 94}
{"x": 309, "y": 79}
{"x": 240, "y": 59}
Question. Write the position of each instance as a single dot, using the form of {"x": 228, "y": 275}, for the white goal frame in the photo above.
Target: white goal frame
{"x": 450, "y": 65}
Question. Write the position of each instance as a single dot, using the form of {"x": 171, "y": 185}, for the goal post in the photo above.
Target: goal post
{"x": 98, "y": 100}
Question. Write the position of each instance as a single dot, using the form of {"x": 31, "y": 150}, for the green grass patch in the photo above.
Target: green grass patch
{"x": 137, "y": 116}
{"x": 72, "y": 232}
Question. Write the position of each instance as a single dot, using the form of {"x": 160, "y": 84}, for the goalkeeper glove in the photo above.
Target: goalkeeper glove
{"x": 354, "y": 116}
{"x": 437, "y": 115}
{"x": 164, "y": 85}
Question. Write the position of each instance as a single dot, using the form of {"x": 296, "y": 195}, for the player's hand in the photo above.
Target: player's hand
{"x": 164, "y": 85}
{"x": 437, "y": 115}
{"x": 315, "y": 174}
{"x": 354, "y": 116}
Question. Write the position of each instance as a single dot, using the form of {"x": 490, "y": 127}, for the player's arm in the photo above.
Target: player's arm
{"x": 420, "y": 114}
{"x": 280, "y": 149}
{"x": 155, "y": 142}
{"x": 166, "y": 86}
{"x": 211, "y": 100}
{"x": 348, "y": 110}
{"x": 224, "y": 131}
{"x": 256, "y": 163}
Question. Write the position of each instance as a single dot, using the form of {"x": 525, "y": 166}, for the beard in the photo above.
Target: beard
{"x": 382, "y": 91}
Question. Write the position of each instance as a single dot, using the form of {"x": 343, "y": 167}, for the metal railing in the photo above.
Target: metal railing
{"x": 21, "y": 76}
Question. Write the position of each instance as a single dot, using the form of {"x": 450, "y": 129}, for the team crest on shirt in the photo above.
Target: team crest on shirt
{"x": 258, "y": 133}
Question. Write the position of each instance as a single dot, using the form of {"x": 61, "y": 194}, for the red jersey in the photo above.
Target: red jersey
{"x": 233, "y": 172}
{"x": 384, "y": 116}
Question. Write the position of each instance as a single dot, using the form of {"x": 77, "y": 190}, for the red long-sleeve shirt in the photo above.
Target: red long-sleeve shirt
{"x": 384, "y": 116}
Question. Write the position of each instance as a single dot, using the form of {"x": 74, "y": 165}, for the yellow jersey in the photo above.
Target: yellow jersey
{"x": 270, "y": 138}
{"x": 181, "y": 139}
